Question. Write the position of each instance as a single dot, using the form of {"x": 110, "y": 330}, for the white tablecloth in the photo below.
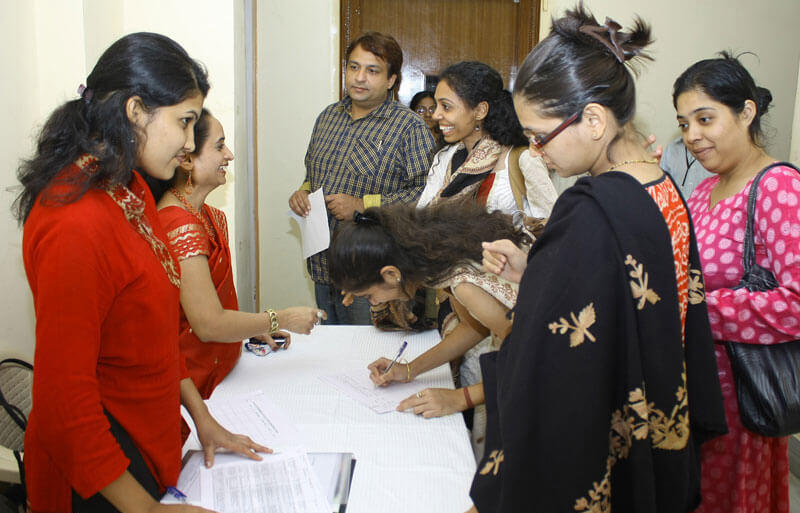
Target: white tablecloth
{"x": 404, "y": 463}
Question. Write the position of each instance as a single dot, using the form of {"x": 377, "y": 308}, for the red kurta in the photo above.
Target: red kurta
{"x": 106, "y": 325}
{"x": 207, "y": 362}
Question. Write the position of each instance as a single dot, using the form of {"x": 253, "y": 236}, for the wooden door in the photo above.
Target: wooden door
{"x": 436, "y": 33}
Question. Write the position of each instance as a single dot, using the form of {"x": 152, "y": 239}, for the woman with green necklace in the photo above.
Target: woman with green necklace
{"x": 212, "y": 327}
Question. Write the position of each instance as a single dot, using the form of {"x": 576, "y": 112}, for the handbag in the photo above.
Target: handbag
{"x": 767, "y": 377}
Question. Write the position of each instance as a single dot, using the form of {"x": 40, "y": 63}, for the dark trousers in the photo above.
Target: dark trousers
{"x": 330, "y": 299}
{"x": 138, "y": 468}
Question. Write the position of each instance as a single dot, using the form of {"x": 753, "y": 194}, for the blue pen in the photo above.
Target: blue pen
{"x": 179, "y": 495}
{"x": 402, "y": 348}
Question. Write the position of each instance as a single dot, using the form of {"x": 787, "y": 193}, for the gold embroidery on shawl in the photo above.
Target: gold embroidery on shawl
{"x": 639, "y": 419}
{"x": 696, "y": 289}
{"x": 580, "y": 331}
{"x": 639, "y": 287}
{"x": 493, "y": 465}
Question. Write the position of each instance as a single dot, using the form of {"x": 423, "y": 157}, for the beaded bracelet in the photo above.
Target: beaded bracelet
{"x": 273, "y": 320}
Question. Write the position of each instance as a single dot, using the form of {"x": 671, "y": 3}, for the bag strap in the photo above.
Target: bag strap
{"x": 749, "y": 251}
{"x": 515, "y": 176}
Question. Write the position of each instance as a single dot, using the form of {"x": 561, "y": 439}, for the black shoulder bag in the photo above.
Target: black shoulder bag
{"x": 767, "y": 377}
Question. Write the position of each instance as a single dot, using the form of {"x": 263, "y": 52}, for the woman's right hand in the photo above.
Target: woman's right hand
{"x": 377, "y": 372}
{"x": 505, "y": 259}
{"x": 300, "y": 319}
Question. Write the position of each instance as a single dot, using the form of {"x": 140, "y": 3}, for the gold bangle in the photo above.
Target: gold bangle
{"x": 408, "y": 368}
{"x": 273, "y": 320}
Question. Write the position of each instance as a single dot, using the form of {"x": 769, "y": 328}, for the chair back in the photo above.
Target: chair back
{"x": 16, "y": 381}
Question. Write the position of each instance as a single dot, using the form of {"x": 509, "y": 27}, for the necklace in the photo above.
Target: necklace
{"x": 640, "y": 161}
{"x": 193, "y": 211}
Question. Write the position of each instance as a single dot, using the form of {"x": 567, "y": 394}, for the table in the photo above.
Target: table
{"x": 405, "y": 463}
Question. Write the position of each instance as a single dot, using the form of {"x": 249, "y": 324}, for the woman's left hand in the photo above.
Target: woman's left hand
{"x": 213, "y": 436}
{"x": 434, "y": 402}
{"x": 271, "y": 342}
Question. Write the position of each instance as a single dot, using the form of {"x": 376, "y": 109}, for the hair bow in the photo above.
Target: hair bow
{"x": 85, "y": 93}
{"x": 609, "y": 34}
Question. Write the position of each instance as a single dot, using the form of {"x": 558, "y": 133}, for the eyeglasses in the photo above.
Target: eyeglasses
{"x": 538, "y": 141}
{"x": 423, "y": 110}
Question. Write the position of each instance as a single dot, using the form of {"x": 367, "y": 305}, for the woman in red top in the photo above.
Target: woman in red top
{"x": 104, "y": 431}
{"x": 198, "y": 236}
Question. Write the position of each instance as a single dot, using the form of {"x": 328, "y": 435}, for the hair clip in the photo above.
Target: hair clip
{"x": 609, "y": 34}
{"x": 85, "y": 93}
{"x": 361, "y": 218}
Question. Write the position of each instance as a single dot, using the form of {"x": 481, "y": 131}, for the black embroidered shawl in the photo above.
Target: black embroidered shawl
{"x": 593, "y": 402}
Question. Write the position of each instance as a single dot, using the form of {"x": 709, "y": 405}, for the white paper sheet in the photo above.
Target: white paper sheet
{"x": 256, "y": 416}
{"x": 281, "y": 483}
{"x": 314, "y": 227}
{"x": 355, "y": 383}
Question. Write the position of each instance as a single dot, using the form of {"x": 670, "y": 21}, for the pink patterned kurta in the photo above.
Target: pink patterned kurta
{"x": 743, "y": 472}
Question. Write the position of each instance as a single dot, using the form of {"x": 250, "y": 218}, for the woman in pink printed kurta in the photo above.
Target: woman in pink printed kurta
{"x": 742, "y": 472}
{"x": 744, "y": 466}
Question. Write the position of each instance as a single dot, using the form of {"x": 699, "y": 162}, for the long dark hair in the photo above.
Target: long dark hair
{"x": 725, "y": 80}
{"x": 475, "y": 82}
{"x": 425, "y": 244}
{"x": 148, "y": 65}
{"x": 582, "y": 62}
{"x": 201, "y": 130}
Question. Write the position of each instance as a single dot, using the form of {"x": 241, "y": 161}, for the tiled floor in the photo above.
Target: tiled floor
{"x": 794, "y": 493}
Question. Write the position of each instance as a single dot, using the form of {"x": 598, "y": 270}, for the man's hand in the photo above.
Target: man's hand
{"x": 342, "y": 206}
{"x": 299, "y": 203}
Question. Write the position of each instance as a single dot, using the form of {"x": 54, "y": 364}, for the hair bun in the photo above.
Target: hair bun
{"x": 763, "y": 100}
{"x": 580, "y": 25}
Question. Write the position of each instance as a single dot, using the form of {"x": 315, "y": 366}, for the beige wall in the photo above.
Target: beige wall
{"x": 687, "y": 31}
{"x": 298, "y": 52}
{"x": 47, "y": 48}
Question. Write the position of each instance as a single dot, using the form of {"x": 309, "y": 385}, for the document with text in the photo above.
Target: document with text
{"x": 355, "y": 383}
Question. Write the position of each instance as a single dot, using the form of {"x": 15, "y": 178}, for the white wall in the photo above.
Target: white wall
{"x": 794, "y": 152}
{"x": 687, "y": 31}
{"x": 298, "y": 54}
{"x": 47, "y": 48}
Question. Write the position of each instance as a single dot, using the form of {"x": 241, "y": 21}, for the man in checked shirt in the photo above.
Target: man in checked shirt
{"x": 366, "y": 150}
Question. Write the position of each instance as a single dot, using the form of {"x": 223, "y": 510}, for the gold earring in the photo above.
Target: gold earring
{"x": 189, "y": 188}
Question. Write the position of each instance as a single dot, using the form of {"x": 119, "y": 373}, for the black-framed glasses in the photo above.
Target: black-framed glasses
{"x": 422, "y": 110}
{"x": 538, "y": 141}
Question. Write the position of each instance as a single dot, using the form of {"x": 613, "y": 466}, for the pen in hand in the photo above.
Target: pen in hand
{"x": 399, "y": 353}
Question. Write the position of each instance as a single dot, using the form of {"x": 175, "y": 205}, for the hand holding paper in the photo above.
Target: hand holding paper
{"x": 314, "y": 227}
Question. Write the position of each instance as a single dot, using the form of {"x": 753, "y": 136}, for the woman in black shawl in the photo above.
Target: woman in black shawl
{"x": 599, "y": 398}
